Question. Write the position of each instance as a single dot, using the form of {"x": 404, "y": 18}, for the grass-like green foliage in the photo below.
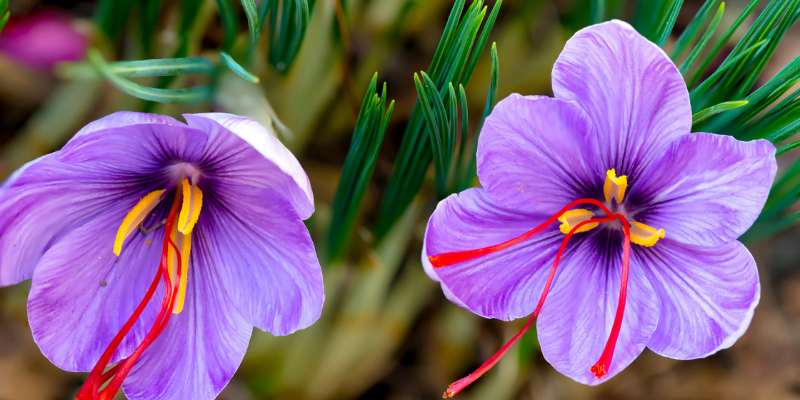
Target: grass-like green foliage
{"x": 149, "y": 12}
{"x": 141, "y": 68}
{"x": 238, "y": 69}
{"x": 453, "y": 63}
{"x": 230, "y": 23}
{"x": 4, "y": 14}
{"x": 198, "y": 94}
{"x": 441, "y": 117}
{"x": 726, "y": 100}
{"x": 655, "y": 18}
{"x": 368, "y": 136}
{"x": 442, "y": 123}
{"x": 288, "y": 21}
{"x": 111, "y": 17}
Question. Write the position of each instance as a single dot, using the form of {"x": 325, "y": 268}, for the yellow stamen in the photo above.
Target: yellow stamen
{"x": 614, "y": 188}
{"x": 136, "y": 216}
{"x": 190, "y": 210}
{"x": 184, "y": 243}
{"x": 572, "y": 218}
{"x": 644, "y": 235}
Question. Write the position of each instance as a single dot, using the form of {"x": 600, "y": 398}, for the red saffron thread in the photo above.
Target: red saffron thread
{"x": 600, "y": 369}
{"x": 445, "y": 259}
{"x": 91, "y": 388}
{"x": 462, "y": 383}
{"x": 602, "y": 366}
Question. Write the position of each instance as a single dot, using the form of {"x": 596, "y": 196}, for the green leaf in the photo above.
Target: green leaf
{"x": 491, "y": 100}
{"x": 449, "y": 65}
{"x": 482, "y": 40}
{"x": 3, "y": 20}
{"x": 149, "y": 11}
{"x": 718, "y": 47}
{"x": 229, "y": 23}
{"x": 654, "y": 18}
{"x": 714, "y": 110}
{"x": 692, "y": 30}
{"x": 189, "y": 12}
{"x": 5, "y": 14}
{"x": 687, "y": 64}
{"x": 358, "y": 167}
{"x": 140, "y": 68}
{"x": 288, "y": 22}
{"x": 198, "y": 94}
{"x": 112, "y": 15}
{"x": 598, "y": 11}
{"x": 253, "y": 23}
{"x": 447, "y": 37}
{"x": 235, "y": 67}
{"x": 788, "y": 147}
{"x": 669, "y": 23}
{"x": 704, "y": 87}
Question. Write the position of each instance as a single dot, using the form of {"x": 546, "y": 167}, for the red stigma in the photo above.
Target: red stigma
{"x": 446, "y": 259}
{"x": 117, "y": 374}
{"x": 601, "y": 367}
{"x": 604, "y": 363}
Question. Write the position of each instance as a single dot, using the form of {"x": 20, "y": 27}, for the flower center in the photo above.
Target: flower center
{"x": 182, "y": 170}
{"x": 173, "y": 268}
{"x": 572, "y": 221}
{"x": 614, "y": 192}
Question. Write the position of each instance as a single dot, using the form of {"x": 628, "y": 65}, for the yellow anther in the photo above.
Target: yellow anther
{"x": 184, "y": 244}
{"x": 190, "y": 210}
{"x": 135, "y": 216}
{"x": 614, "y": 187}
{"x": 644, "y": 235}
{"x": 572, "y": 218}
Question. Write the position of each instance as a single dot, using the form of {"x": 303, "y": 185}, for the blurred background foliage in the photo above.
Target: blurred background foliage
{"x": 382, "y": 102}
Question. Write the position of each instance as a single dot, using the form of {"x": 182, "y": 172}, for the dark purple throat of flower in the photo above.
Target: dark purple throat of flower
{"x": 572, "y": 221}
{"x": 173, "y": 268}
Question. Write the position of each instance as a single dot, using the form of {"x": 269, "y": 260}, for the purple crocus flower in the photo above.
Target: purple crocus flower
{"x": 214, "y": 208}
{"x": 43, "y": 39}
{"x": 615, "y": 142}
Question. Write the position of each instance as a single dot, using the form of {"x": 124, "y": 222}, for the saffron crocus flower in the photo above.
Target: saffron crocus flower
{"x": 43, "y": 39}
{"x": 653, "y": 212}
{"x": 212, "y": 209}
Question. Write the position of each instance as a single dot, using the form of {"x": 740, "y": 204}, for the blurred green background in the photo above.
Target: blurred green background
{"x": 386, "y": 331}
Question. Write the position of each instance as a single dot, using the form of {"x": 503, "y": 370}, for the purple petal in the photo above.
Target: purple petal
{"x": 243, "y": 151}
{"x": 631, "y": 90}
{"x": 44, "y": 202}
{"x": 533, "y": 154}
{"x": 135, "y": 145}
{"x": 122, "y": 119}
{"x": 707, "y": 296}
{"x": 579, "y": 312}
{"x": 82, "y": 295}
{"x": 505, "y": 284}
{"x": 109, "y": 161}
{"x": 21, "y": 249}
{"x": 200, "y": 349}
{"x": 706, "y": 189}
{"x": 263, "y": 254}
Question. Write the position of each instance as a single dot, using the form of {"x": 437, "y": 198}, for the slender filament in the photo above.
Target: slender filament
{"x": 91, "y": 388}
{"x": 602, "y": 366}
{"x": 445, "y": 259}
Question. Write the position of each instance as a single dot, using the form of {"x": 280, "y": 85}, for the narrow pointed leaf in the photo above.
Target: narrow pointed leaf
{"x": 235, "y": 67}
{"x": 229, "y": 23}
{"x": 714, "y": 110}
{"x": 687, "y": 64}
{"x": 197, "y": 94}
